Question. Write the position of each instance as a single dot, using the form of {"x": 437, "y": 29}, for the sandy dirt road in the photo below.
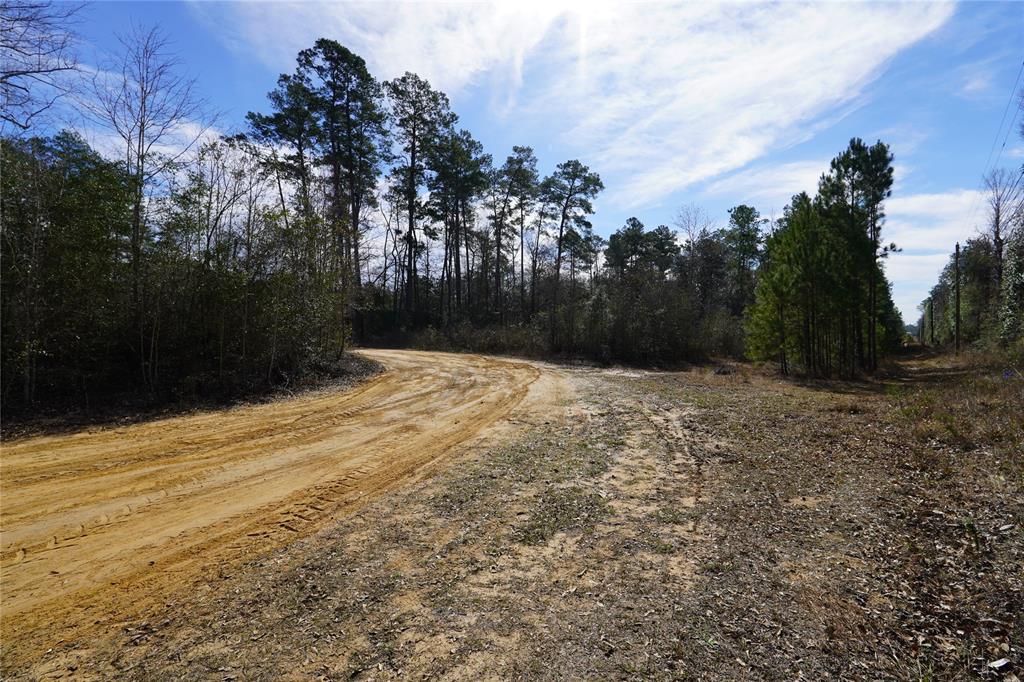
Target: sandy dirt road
{"x": 98, "y": 524}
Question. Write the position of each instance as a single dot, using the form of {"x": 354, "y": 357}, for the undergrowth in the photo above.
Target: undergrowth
{"x": 978, "y": 408}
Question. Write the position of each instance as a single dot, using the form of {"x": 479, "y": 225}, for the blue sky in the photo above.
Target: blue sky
{"x": 673, "y": 104}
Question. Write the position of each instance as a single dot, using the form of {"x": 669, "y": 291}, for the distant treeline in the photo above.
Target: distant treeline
{"x": 990, "y": 271}
{"x": 354, "y": 209}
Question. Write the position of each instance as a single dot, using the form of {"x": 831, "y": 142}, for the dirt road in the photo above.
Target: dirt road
{"x": 96, "y": 524}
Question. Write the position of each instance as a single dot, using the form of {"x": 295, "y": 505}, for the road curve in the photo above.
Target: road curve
{"x": 98, "y": 524}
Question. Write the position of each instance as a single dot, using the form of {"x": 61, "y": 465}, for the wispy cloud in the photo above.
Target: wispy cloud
{"x": 451, "y": 44}
{"x": 903, "y": 139}
{"x": 770, "y": 187}
{"x": 976, "y": 83}
{"x": 978, "y": 79}
{"x": 929, "y": 221}
{"x": 184, "y": 138}
{"x": 656, "y": 96}
{"x": 673, "y": 95}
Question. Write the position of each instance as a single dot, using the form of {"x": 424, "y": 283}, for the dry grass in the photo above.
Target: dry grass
{"x": 971, "y": 407}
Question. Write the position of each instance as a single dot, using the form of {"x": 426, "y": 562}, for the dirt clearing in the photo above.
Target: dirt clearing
{"x": 101, "y": 525}
{"x": 637, "y": 525}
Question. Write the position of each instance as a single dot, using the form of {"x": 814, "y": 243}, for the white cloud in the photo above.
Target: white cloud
{"x": 929, "y": 221}
{"x": 921, "y": 268}
{"x": 673, "y": 95}
{"x": 451, "y": 44}
{"x": 903, "y": 139}
{"x": 976, "y": 84}
{"x": 655, "y": 96}
{"x": 913, "y": 276}
{"x": 976, "y": 80}
{"x": 770, "y": 188}
{"x": 85, "y": 114}
{"x": 926, "y": 227}
{"x": 186, "y": 136}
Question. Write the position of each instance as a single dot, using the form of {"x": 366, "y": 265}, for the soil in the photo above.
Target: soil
{"x": 465, "y": 517}
{"x": 104, "y": 523}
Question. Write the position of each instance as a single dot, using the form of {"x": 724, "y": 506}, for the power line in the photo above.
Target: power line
{"x": 1013, "y": 195}
{"x": 995, "y": 142}
{"x": 1002, "y": 120}
{"x": 1006, "y": 137}
{"x": 1016, "y": 182}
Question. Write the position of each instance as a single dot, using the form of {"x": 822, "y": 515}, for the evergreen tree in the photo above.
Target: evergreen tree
{"x": 570, "y": 190}
{"x": 351, "y": 138}
{"x": 743, "y": 239}
{"x": 420, "y": 115}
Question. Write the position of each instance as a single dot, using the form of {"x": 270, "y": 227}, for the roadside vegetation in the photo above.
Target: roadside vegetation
{"x": 970, "y": 404}
{"x": 183, "y": 265}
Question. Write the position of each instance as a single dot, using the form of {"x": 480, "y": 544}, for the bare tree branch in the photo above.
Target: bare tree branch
{"x": 158, "y": 117}
{"x": 36, "y": 52}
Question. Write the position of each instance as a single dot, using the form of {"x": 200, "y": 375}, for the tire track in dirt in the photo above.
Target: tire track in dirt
{"x": 103, "y": 523}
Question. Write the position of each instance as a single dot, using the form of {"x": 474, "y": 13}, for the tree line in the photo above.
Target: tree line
{"x": 823, "y": 303}
{"x": 979, "y": 297}
{"x": 351, "y": 209}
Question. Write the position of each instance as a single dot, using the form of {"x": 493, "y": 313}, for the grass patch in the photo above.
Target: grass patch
{"x": 979, "y": 412}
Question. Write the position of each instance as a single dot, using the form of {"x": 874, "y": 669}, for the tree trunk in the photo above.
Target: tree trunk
{"x": 410, "y": 199}
{"x": 956, "y": 269}
{"x": 558, "y": 272}
{"x": 522, "y": 260}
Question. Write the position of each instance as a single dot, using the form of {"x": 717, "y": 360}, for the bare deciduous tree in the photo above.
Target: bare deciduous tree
{"x": 157, "y": 116}
{"x": 1003, "y": 196}
{"x": 36, "y": 53}
{"x": 692, "y": 220}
